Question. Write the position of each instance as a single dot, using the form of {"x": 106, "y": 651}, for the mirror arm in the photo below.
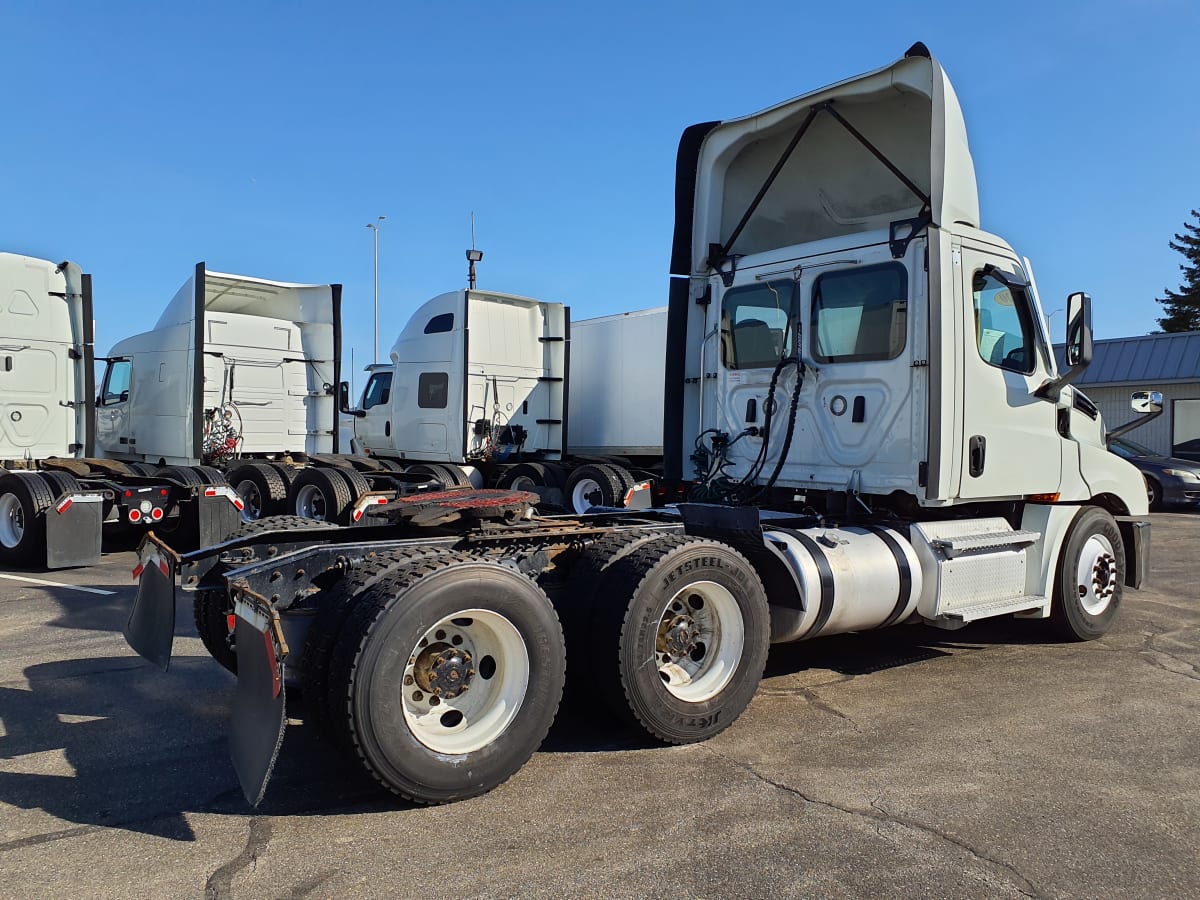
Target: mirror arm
{"x": 1130, "y": 426}
{"x": 1052, "y": 389}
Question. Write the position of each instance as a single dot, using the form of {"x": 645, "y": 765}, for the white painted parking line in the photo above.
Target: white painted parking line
{"x": 70, "y": 587}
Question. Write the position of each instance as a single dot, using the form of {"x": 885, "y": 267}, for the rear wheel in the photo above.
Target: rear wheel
{"x": 1090, "y": 578}
{"x": 479, "y": 654}
{"x": 211, "y": 609}
{"x": 680, "y": 634}
{"x": 262, "y": 489}
{"x": 320, "y": 494}
{"x": 593, "y": 485}
{"x": 322, "y": 696}
{"x": 529, "y": 477}
{"x": 185, "y": 475}
{"x": 23, "y": 502}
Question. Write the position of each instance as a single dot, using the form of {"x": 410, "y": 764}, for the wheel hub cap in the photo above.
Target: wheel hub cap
{"x": 678, "y": 636}
{"x": 444, "y": 671}
{"x": 1104, "y": 577}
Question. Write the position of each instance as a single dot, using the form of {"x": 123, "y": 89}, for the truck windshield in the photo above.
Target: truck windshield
{"x": 756, "y": 325}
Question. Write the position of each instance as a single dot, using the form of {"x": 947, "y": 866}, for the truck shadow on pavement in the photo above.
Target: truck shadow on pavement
{"x": 111, "y": 742}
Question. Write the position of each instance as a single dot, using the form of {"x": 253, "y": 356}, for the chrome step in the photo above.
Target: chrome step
{"x": 953, "y": 546}
{"x": 995, "y": 608}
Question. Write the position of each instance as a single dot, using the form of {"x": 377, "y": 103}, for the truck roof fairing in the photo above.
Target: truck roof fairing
{"x": 878, "y": 148}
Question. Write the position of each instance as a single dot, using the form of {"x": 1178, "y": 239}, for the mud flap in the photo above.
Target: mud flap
{"x": 218, "y": 515}
{"x": 150, "y": 629}
{"x": 73, "y": 531}
{"x": 259, "y": 716}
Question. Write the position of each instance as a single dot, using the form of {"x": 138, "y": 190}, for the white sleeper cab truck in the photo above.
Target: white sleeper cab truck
{"x": 47, "y": 517}
{"x": 484, "y": 388}
{"x": 233, "y": 391}
{"x": 859, "y": 383}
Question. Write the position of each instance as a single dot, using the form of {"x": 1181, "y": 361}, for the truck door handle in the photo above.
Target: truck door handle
{"x": 976, "y": 454}
{"x": 387, "y": 429}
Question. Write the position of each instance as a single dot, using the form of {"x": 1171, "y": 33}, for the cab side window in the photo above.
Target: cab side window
{"x": 861, "y": 314}
{"x": 1003, "y": 324}
{"x": 116, "y": 382}
{"x": 378, "y": 390}
{"x": 756, "y": 330}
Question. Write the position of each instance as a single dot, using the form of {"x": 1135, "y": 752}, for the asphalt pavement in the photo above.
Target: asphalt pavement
{"x": 992, "y": 761}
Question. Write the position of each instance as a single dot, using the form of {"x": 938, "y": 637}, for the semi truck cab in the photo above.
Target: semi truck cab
{"x": 834, "y": 252}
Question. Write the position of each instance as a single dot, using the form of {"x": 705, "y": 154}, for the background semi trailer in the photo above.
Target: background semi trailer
{"x": 860, "y": 381}
{"x": 496, "y": 390}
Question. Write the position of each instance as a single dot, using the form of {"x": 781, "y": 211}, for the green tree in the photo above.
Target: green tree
{"x": 1183, "y": 306}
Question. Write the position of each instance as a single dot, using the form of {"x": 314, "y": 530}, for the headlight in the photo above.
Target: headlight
{"x": 1182, "y": 474}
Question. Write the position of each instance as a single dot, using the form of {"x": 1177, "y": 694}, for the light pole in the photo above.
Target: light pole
{"x": 374, "y": 226}
{"x": 1049, "y": 318}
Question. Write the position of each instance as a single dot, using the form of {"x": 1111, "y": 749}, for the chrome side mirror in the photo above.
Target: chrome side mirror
{"x": 1146, "y": 401}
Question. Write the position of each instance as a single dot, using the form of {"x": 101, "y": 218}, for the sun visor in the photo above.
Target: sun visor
{"x": 887, "y": 146}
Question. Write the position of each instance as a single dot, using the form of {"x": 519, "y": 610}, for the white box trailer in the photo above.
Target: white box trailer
{"x": 496, "y": 389}
{"x": 615, "y": 393}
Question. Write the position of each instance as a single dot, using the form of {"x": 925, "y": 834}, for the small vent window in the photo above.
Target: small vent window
{"x": 439, "y": 324}
{"x": 432, "y": 390}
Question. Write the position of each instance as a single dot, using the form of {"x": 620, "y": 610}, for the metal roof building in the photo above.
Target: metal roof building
{"x": 1162, "y": 362}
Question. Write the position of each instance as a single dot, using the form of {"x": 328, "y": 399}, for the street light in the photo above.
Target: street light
{"x": 374, "y": 226}
{"x": 1049, "y": 317}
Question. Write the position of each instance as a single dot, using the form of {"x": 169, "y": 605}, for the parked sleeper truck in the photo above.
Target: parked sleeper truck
{"x": 503, "y": 391}
{"x": 858, "y": 378}
{"x": 55, "y": 489}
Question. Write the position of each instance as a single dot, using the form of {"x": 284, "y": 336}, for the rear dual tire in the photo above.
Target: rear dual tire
{"x": 24, "y": 499}
{"x": 449, "y": 676}
{"x": 678, "y": 636}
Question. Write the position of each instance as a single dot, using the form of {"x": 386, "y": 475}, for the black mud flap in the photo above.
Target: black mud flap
{"x": 151, "y": 626}
{"x": 73, "y": 531}
{"x": 259, "y": 716}
{"x": 219, "y": 513}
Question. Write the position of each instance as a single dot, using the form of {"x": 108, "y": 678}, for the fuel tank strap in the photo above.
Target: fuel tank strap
{"x": 824, "y": 571}
{"x": 904, "y": 595}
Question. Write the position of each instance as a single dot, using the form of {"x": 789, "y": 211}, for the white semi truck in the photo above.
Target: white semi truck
{"x": 493, "y": 389}
{"x": 858, "y": 380}
{"x": 224, "y": 410}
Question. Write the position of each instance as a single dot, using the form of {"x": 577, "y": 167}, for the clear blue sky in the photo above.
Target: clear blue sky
{"x": 262, "y": 137}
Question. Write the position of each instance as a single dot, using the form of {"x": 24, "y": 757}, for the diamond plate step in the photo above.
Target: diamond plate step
{"x": 995, "y": 608}
{"x": 952, "y": 546}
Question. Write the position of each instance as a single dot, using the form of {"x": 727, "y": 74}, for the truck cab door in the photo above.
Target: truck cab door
{"x": 1010, "y": 442}
{"x": 374, "y": 430}
{"x": 114, "y": 422}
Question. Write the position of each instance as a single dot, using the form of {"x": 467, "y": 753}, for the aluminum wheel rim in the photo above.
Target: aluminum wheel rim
{"x": 12, "y": 521}
{"x": 523, "y": 483}
{"x": 699, "y": 642}
{"x": 582, "y": 492}
{"x": 1096, "y": 575}
{"x": 493, "y": 666}
{"x": 310, "y": 503}
{"x": 251, "y": 500}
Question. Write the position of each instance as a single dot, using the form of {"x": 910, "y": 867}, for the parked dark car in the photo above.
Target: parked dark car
{"x": 1169, "y": 481}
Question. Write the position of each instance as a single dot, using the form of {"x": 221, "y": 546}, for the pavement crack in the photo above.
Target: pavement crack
{"x": 877, "y": 814}
{"x": 220, "y": 882}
